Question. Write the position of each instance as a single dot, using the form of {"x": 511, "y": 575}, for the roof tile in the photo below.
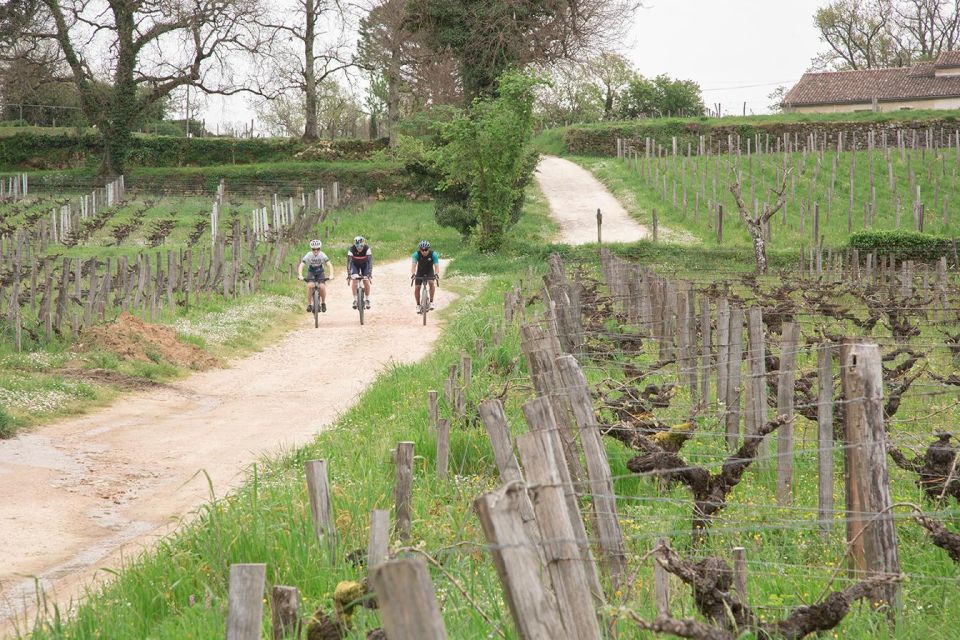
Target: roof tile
{"x": 863, "y": 85}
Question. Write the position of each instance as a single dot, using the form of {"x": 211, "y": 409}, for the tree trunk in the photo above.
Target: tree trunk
{"x": 310, "y": 71}
{"x": 117, "y": 133}
{"x": 759, "y": 246}
{"x": 393, "y": 93}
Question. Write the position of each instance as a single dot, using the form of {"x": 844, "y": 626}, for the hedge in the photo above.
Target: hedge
{"x": 41, "y": 151}
{"x": 908, "y": 245}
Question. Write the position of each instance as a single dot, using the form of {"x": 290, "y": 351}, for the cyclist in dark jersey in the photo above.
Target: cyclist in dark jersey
{"x": 360, "y": 265}
{"x": 426, "y": 264}
{"x": 315, "y": 260}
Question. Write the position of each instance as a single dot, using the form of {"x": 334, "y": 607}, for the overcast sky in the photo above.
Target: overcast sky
{"x": 738, "y": 50}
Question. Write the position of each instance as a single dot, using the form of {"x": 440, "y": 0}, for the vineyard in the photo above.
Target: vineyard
{"x": 832, "y": 186}
{"x": 73, "y": 259}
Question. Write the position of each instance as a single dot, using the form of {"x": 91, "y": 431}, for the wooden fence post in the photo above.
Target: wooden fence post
{"x": 285, "y": 610}
{"x": 604, "y": 500}
{"x": 378, "y": 542}
{"x": 443, "y": 448}
{"x": 735, "y": 361}
{"x": 532, "y": 604}
{"x": 740, "y": 582}
{"x": 245, "y": 601}
{"x": 790, "y": 339}
{"x": 757, "y": 381}
{"x": 871, "y": 530}
{"x": 324, "y": 525}
{"x": 563, "y": 558}
{"x": 661, "y": 583}
{"x": 403, "y": 489}
{"x": 407, "y": 600}
{"x": 825, "y": 437}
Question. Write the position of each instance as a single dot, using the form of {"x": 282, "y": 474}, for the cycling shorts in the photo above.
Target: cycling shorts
{"x": 315, "y": 275}
{"x": 360, "y": 269}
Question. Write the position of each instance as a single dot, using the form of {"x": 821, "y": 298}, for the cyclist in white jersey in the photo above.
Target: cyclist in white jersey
{"x": 316, "y": 260}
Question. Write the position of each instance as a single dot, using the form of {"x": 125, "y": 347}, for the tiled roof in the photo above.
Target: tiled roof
{"x": 923, "y": 69}
{"x": 886, "y": 85}
{"x": 948, "y": 59}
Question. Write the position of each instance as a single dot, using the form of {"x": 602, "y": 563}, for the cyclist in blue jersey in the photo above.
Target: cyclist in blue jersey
{"x": 360, "y": 263}
{"x": 315, "y": 260}
{"x": 426, "y": 264}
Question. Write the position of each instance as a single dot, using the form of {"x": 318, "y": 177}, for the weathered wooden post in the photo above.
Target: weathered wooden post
{"x": 324, "y": 525}
{"x": 407, "y": 600}
{"x": 285, "y": 612}
{"x": 785, "y": 389}
{"x": 825, "y": 437}
{"x": 443, "y": 448}
{"x": 245, "y": 601}
{"x": 378, "y": 542}
{"x": 871, "y": 530}
{"x": 403, "y": 489}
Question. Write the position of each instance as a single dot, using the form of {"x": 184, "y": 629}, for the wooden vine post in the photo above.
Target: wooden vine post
{"x": 871, "y": 530}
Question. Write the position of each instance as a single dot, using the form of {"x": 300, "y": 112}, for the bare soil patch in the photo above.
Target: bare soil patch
{"x": 132, "y": 338}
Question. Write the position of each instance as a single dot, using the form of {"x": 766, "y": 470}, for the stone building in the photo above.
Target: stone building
{"x": 927, "y": 85}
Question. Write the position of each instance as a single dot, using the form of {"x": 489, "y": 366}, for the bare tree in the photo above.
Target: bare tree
{"x": 124, "y": 56}
{"x": 756, "y": 221}
{"x": 308, "y": 45}
{"x": 929, "y": 26}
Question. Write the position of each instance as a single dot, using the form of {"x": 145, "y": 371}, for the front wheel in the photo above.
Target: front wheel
{"x": 316, "y": 307}
{"x": 361, "y": 301}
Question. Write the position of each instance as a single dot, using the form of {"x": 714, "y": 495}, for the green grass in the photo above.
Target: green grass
{"x": 936, "y": 174}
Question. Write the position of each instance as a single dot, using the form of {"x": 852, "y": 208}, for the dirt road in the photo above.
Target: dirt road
{"x": 77, "y": 493}
{"x": 575, "y": 195}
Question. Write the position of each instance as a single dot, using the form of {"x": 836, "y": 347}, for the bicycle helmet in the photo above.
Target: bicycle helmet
{"x": 358, "y": 241}
{"x": 315, "y": 244}
{"x": 424, "y": 245}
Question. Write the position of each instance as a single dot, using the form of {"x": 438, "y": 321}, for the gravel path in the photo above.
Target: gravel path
{"x": 575, "y": 195}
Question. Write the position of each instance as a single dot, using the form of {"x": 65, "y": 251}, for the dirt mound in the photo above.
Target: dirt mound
{"x": 131, "y": 337}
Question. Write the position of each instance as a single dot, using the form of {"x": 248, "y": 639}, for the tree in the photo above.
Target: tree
{"x": 337, "y": 112}
{"x": 416, "y": 77}
{"x": 661, "y": 96}
{"x": 568, "y": 96}
{"x": 870, "y": 34}
{"x": 486, "y": 155}
{"x": 776, "y": 99}
{"x": 757, "y": 221}
{"x": 126, "y": 56}
{"x": 300, "y": 57}
{"x": 487, "y": 37}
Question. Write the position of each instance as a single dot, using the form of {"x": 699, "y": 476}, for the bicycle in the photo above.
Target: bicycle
{"x": 361, "y": 297}
{"x": 425, "y": 300}
{"x": 316, "y": 301}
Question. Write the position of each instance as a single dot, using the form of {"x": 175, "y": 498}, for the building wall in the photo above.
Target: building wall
{"x": 938, "y": 103}
{"x": 946, "y": 73}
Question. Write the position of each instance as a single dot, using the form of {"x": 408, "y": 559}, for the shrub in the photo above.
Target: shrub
{"x": 908, "y": 245}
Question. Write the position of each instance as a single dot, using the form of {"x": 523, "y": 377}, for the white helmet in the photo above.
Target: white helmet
{"x": 315, "y": 244}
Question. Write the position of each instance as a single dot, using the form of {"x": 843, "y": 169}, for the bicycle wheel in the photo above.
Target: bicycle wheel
{"x": 316, "y": 306}
{"x": 360, "y": 300}
{"x": 424, "y": 301}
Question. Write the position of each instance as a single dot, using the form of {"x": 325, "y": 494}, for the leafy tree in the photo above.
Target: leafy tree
{"x": 487, "y": 37}
{"x": 485, "y": 161}
{"x": 661, "y": 96}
